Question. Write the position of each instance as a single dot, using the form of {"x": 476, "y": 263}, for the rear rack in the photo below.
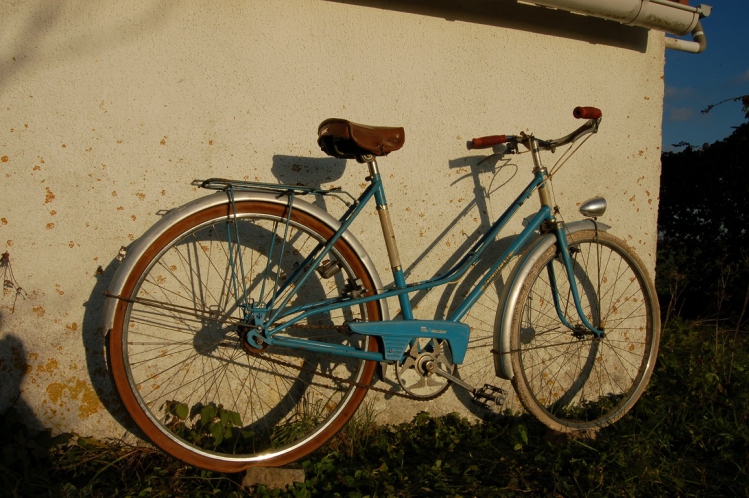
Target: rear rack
{"x": 224, "y": 185}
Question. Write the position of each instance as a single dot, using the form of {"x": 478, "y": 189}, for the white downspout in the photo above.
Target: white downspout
{"x": 662, "y": 15}
{"x": 694, "y": 47}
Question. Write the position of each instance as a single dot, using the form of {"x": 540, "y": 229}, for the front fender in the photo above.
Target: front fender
{"x": 508, "y": 299}
{"x": 138, "y": 248}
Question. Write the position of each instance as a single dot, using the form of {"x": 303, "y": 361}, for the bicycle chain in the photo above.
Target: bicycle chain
{"x": 331, "y": 377}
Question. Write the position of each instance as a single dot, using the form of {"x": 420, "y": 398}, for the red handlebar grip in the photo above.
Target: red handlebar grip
{"x": 587, "y": 113}
{"x": 490, "y": 141}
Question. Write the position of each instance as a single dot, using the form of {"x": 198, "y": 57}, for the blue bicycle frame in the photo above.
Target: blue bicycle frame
{"x": 261, "y": 315}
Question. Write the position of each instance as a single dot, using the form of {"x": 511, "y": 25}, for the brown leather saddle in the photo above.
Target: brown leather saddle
{"x": 346, "y": 140}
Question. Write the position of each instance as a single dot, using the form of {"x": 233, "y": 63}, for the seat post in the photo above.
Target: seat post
{"x": 389, "y": 235}
{"x": 384, "y": 214}
{"x": 374, "y": 170}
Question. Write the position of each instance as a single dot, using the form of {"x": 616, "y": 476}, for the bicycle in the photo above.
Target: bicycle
{"x": 247, "y": 326}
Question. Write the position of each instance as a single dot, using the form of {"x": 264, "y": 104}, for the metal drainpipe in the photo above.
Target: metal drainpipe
{"x": 662, "y": 15}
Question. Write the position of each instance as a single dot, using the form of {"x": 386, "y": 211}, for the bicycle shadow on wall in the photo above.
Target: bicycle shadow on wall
{"x": 478, "y": 367}
{"x": 501, "y": 171}
{"x": 314, "y": 172}
{"x": 309, "y": 172}
{"x": 205, "y": 339}
{"x": 488, "y": 175}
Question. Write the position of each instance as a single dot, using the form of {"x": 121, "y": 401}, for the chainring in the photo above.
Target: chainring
{"x": 415, "y": 372}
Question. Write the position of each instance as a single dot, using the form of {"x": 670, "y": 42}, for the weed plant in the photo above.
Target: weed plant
{"x": 687, "y": 436}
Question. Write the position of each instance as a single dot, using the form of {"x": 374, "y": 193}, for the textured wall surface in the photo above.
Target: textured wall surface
{"x": 109, "y": 110}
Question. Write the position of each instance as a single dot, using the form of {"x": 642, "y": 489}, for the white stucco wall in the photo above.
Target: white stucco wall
{"x": 109, "y": 110}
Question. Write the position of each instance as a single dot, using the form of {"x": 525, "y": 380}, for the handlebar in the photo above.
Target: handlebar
{"x": 586, "y": 113}
{"x": 592, "y": 114}
{"x": 490, "y": 141}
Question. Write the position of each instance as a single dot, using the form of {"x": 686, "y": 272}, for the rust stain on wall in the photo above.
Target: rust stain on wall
{"x": 74, "y": 388}
{"x": 49, "y": 197}
{"x": 50, "y": 367}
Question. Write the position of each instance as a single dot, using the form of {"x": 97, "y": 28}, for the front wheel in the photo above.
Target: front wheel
{"x": 178, "y": 352}
{"x": 570, "y": 379}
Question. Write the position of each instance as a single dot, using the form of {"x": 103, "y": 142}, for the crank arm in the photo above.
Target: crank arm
{"x": 432, "y": 368}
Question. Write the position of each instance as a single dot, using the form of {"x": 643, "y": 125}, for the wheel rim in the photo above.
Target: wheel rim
{"x": 199, "y": 394}
{"x": 575, "y": 380}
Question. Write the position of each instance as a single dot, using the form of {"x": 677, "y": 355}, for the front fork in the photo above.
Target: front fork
{"x": 586, "y": 328}
{"x": 566, "y": 254}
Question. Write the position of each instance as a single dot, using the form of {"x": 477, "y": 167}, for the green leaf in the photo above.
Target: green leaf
{"x": 181, "y": 410}
{"x": 230, "y": 417}
{"x": 523, "y": 432}
{"x": 217, "y": 431}
{"x": 207, "y": 414}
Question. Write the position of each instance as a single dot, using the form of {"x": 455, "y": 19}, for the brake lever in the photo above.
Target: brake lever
{"x": 526, "y": 140}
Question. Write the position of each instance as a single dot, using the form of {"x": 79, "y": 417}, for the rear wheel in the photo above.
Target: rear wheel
{"x": 181, "y": 364}
{"x": 568, "y": 378}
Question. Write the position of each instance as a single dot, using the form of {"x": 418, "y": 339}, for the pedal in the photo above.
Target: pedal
{"x": 489, "y": 397}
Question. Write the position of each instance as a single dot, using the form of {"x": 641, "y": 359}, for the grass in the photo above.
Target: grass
{"x": 687, "y": 436}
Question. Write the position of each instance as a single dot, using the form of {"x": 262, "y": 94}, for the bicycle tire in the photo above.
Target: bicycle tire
{"x": 185, "y": 375}
{"x": 571, "y": 381}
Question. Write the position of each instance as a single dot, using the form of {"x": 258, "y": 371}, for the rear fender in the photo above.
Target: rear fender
{"x": 138, "y": 248}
